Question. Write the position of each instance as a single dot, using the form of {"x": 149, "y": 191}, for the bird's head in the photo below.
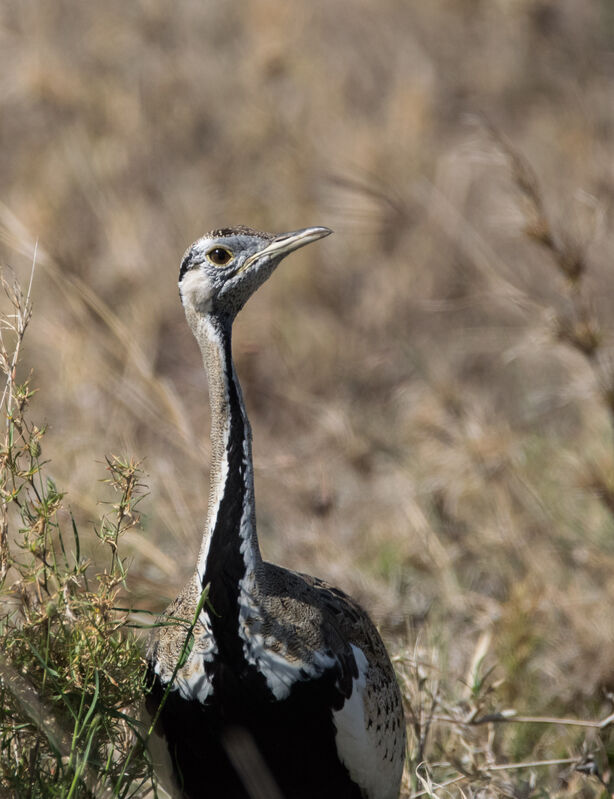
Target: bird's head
{"x": 221, "y": 270}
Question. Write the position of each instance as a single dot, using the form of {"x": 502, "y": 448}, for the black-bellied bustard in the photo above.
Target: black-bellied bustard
{"x": 287, "y": 689}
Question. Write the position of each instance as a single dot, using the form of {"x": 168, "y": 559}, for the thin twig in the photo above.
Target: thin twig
{"x": 511, "y": 717}
{"x": 563, "y": 761}
{"x": 427, "y": 791}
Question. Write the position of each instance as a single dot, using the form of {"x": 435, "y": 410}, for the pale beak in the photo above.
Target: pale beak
{"x": 286, "y": 243}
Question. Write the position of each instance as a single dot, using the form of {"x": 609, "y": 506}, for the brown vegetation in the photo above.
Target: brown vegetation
{"x": 431, "y": 389}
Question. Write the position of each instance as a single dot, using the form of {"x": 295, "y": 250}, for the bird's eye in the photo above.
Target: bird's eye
{"x": 219, "y": 256}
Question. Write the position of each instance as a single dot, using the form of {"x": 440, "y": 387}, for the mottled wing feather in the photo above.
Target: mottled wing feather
{"x": 369, "y": 721}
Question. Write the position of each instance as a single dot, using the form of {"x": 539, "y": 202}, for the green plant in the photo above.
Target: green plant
{"x": 71, "y": 676}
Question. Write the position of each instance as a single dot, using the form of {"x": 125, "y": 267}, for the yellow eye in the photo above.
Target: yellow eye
{"x": 219, "y": 256}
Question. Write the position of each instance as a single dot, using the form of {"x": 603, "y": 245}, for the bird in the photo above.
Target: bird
{"x": 263, "y": 682}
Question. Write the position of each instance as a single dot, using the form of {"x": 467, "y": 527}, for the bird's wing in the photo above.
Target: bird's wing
{"x": 334, "y": 640}
{"x": 368, "y": 744}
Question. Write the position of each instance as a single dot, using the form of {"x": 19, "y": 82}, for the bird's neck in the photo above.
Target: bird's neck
{"x": 229, "y": 552}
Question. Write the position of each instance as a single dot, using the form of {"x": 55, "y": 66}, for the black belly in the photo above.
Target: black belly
{"x": 294, "y": 737}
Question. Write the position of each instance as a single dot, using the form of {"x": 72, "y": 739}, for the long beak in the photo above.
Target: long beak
{"x": 286, "y": 243}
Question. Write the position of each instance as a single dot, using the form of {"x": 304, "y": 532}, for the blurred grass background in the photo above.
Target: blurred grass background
{"x": 429, "y": 433}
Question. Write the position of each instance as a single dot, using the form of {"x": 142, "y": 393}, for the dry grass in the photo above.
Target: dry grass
{"x": 431, "y": 389}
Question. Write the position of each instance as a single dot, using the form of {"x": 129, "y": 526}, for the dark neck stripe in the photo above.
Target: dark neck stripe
{"x": 225, "y": 565}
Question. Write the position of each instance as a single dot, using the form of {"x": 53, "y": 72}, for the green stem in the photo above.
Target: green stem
{"x": 180, "y": 661}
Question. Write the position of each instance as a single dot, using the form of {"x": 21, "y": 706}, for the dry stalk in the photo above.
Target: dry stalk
{"x": 580, "y": 327}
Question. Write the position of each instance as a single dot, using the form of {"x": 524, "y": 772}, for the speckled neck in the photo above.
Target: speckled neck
{"x": 229, "y": 550}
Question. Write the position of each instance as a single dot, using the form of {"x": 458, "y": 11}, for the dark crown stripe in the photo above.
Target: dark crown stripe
{"x": 239, "y": 230}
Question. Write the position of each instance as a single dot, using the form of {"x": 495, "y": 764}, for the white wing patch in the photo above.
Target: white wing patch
{"x": 357, "y": 743}
{"x": 279, "y": 672}
{"x": 270, "y": 656}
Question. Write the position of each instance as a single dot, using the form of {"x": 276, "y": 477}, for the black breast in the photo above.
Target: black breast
{"x": 295, "y": 736}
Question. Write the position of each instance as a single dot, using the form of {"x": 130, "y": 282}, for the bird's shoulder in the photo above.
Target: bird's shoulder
{"x": 327, "y": 617}
{"x": 320, "y": 622}
{"x": 306, "y": 622}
